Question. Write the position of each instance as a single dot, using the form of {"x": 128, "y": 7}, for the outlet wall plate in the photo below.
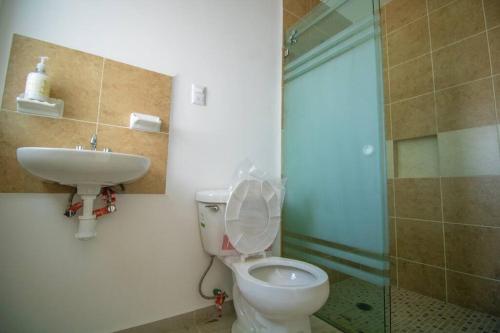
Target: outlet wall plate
{"x": 198, "y": 95}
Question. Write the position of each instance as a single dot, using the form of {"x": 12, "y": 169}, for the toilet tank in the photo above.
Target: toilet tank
{"x": 211, "y": 220}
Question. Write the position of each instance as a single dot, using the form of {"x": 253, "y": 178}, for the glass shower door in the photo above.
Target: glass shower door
{"x": 334, "y": 160}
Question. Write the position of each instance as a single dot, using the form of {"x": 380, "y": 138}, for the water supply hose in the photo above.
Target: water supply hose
{"x": 200, "y": 289}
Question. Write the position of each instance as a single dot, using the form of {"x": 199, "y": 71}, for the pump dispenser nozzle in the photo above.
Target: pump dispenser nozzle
{"x": 40, "y": 67}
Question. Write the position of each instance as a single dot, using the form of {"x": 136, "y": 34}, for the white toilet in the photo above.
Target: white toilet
{"x": 270, "y": 294}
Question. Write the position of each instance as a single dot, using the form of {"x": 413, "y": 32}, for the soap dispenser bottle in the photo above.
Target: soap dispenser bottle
{"x": 37, "y": 83}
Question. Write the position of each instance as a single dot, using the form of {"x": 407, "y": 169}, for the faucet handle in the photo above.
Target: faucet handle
{"x": 93, "y": 141}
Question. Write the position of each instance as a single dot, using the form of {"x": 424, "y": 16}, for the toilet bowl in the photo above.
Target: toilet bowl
{"x": 270, "y": 294}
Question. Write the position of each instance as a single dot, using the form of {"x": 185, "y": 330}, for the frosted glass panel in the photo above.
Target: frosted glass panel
{"x": 334, "y": 161}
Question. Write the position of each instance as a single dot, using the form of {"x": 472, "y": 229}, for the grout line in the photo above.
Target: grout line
{"x": 464, "y": 83}
{"x": 444, "y": 89}
{"x": 439, "y": 8}
{"x": 405, "y": 25}
{"x": 421, "y": 263}
{"x": 40, "y": 116}
{"x": 457, "y": 41}
{"x": 75, "y": 120}
{"x": 490, "y": 28}
{"x": 474, "y": 275}
{"x": 420, "y": 17}
{"x": 448, "y": 269}
{"x": 436, "y": 122}
{"x": 389, "y": 114}
{"x": 436, "y": 50}
{"x": 100, "y": 95}
{"x": 447, "y": 222}
{"x": 492, "y": 80}
{"x": 409, "y": 60}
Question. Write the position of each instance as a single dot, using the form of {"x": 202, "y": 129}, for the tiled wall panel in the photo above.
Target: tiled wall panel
{"x": 442, "y": 81}
{"x": 99, "y": 94}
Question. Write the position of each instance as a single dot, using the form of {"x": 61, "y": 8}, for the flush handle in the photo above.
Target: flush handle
{"x": 215, "y": 208}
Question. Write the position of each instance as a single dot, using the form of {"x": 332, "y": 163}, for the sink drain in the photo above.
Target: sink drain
{"x": 364, "y": 306}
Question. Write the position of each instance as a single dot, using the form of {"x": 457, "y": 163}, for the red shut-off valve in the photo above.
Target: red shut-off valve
{"x": 107, "y": 195}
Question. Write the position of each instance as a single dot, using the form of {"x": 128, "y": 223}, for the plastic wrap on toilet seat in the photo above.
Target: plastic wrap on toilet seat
{"x": 253, "y": 211}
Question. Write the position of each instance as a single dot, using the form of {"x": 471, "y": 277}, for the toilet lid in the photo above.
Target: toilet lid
{"x": 252, "y": 216}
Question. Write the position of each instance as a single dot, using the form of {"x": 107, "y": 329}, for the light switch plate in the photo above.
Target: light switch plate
{"x": 198, "y": 95}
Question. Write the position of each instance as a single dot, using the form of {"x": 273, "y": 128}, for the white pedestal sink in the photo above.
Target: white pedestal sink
{"x": 87, "y": 170}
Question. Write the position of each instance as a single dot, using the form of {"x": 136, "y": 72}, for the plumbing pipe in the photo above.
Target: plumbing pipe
{"x": 87, "y": 221}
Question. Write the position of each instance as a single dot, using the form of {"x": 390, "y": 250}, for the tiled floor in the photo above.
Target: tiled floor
{"x": 354, "y": 306}
{"x": 410, "y": 312}
{"x": 224, "y": 326}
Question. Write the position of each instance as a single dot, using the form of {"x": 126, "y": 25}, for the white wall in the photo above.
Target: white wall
{"x": 145, "y": 263}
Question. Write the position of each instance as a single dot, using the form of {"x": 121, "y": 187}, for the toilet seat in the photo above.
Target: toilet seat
{"x": 277, "y": 298}
{"x": 298, "y": 274}
{"x": 252, "y": 217}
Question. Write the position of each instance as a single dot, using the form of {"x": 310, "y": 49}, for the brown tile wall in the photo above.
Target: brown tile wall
{"x": 99, "y": 94}
{"x": 442, "y": 78}
{"x": 294, "y": 10}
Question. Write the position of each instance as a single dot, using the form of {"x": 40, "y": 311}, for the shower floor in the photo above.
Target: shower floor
{"x": 357, "y": 307}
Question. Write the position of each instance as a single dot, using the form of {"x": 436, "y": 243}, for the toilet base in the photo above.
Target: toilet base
{"x": 251, "y": 321}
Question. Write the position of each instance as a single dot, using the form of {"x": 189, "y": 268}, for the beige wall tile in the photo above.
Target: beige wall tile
{"x": 389, "y": 154}
{"x": 492, "y": 13}
{"x": 387, "y": 97}
{"x": 75, "y": 76}
{"x": 418, "y": 198}
{"x": 390, "y": 197}
{"x": 469, "y": 152}
{"x": 461, "y": 62}
{"x": 384, "y": 49}
{"x": 413, "y": 118}
{"x": 420, "y": 241}
{"x": 288, "y": 20}
{"x": 392, "y": 237}
{"x": 18, "y": 130}
{"x": 383, "y": 22}
{"x": 411, "y": 79}
{"x": 459, "y": 20}
{"x": 423, "y": 279}
{"x": 409, "y": 42}
{"x": 473, "y": 250}
{"x": 469, "y": 105}
{"x": 297, "y": 7}
{"x": 496, "y": 81}
{"x": 417, "y": 158}
{"x": 387, "y": 122}
{"x": 472, "y": 200}
{"x": 127, "y": 89}
{"x": 401, "y": 12}
{"x": 494, "y": 38}
{"x": 393, "y": 271}
{"x": 152, "y": 145}
{"x": 473, "y": 292}
{"x": 436, "y": 4}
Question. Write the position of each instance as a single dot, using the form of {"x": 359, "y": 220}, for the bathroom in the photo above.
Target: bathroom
{"x": 394, "y": 197}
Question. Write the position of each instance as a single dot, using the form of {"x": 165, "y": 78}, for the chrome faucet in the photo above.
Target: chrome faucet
{"x": 93, "y": 142}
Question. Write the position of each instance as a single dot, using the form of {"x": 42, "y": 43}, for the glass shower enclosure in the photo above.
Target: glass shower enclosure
{"x": 334, "y": 159}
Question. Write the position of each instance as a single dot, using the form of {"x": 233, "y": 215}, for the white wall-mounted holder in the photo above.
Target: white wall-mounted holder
{"x": 53, "y": 108}
{"x": 145, "y": 122}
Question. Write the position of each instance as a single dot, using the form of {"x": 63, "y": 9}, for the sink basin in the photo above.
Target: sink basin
{"x": 82, "y": 167}
{"x": 88, "y": 170}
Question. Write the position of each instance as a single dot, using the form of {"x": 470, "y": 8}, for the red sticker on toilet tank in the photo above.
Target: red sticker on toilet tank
{"x": 226, "y": 244}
